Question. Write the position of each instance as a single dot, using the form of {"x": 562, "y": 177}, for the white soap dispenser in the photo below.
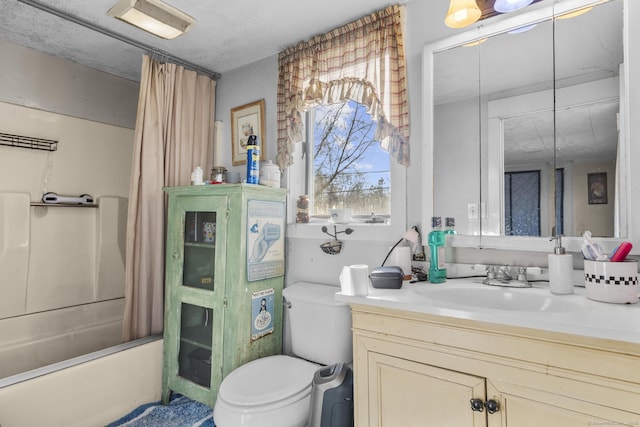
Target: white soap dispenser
{"x": 560, "y": 269}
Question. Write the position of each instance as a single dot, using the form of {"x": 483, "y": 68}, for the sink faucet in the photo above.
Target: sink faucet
{"x": 503, "y": 274}
{"x": 503, "y": 277}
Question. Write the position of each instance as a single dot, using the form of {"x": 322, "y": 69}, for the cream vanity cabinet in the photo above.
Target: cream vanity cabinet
{"x": 414, "y": 369}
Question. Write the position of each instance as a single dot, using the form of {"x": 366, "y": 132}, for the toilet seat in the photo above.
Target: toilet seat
{"x": 273, "y": 379}
{"x": 273, "y": 391}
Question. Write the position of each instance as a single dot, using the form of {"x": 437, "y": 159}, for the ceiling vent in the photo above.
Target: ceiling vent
{"x": 153, "y": 16}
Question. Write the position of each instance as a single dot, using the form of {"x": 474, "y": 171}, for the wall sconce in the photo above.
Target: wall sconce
{"x": 504, "y": 6}
{"x": 153, "y": 16}
{"x": 462, "y": 13}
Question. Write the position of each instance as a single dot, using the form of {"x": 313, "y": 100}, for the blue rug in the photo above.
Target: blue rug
{"x": 180, "y": 412}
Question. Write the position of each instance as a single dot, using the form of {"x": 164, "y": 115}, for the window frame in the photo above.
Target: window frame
{"x": 296, "y": 179}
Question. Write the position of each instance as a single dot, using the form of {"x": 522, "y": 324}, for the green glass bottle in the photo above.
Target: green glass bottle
{"x": 437, "y": 243}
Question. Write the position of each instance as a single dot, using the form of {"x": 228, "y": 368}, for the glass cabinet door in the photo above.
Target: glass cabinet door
{"x": 194, "y": 358}
{"x": 199, "y": 250}
{"x": 200, "y": 308}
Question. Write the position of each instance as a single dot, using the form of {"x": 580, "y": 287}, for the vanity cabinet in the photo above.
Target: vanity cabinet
{"x": 223, "y": 284}
{"x": 417, "y": 369}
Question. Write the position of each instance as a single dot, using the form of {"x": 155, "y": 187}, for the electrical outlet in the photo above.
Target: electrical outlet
{"x": 419, "y": 257}
{"x": 472, "y": 211}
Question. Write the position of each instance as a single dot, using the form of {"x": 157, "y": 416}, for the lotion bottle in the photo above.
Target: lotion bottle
{"x": 560, "y": 269}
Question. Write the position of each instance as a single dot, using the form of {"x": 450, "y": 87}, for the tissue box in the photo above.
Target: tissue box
{"x": 386, "y": 277}
{"x": 615, "y": 282}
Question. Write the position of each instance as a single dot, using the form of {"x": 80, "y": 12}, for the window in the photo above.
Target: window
{"x": 522, "y": 203}
{"x": 346, "y": 166}
{"x": 362, "y": 61}
{"x": 522, "y": 210}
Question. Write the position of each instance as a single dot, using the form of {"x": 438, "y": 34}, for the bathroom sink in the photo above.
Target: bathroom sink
{"x": 498, "y": 298}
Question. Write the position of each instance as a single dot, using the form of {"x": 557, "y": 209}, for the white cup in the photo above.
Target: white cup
{"x": 354, "y": 280}
{"x": 340, "y": 216}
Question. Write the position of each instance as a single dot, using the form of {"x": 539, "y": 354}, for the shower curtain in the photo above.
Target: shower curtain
{"x": 173, "y": 135}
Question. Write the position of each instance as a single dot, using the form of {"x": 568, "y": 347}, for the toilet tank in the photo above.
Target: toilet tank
{"x": 320, "y": 326}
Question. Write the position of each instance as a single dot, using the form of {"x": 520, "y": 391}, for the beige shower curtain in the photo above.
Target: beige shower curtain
{"x": 173, "y": 135}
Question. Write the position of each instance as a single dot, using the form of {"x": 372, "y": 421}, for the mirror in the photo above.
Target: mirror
{"x": 527, "y": 139}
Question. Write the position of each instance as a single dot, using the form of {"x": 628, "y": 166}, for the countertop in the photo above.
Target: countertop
{"x": 572, "y": 314}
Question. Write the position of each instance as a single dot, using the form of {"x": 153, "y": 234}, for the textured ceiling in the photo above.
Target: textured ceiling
{"x": 228, "y": 33}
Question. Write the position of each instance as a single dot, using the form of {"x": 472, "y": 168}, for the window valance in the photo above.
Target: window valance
{"x": 363, "y": 61}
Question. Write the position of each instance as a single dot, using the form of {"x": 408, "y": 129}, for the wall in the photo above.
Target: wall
{"x": 597, "y": 218}
{"x": 45, "y": 82}
{"x": 61, "y": 269}
{"x": 305, "y": 260}
{"x": 424, "y": 24}
{"x": 89, "y": 394}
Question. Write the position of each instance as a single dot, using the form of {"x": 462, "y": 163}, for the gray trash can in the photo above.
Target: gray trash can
{"x": 332, "y": 397}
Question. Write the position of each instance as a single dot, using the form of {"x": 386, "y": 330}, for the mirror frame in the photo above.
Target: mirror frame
{"x": 629, "y": 103}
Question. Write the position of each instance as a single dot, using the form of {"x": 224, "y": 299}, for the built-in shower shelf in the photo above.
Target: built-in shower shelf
{"x": 28, "y": 142}
{"x": 64, "y": 205}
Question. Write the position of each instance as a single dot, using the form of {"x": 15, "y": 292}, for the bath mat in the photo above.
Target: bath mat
{"x": 181, "y": 412}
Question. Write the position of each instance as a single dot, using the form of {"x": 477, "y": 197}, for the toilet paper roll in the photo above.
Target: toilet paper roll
{"x": 354, "y": 280}
{"x": 401, "y": 256}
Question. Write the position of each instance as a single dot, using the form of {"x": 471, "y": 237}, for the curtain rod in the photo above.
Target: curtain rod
{"x": 120, "y": 37}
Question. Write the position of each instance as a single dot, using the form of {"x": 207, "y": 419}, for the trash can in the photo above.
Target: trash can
{"x": 332, "y": 397}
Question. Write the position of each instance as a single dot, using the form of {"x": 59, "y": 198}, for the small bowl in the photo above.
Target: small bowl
{"x": 340, "y": 216}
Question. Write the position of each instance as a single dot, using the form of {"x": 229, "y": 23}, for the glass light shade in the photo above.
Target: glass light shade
{"x": 575, "y": 13}
{"x": 504, "y": 6}
{"x": 522, "y": 29}
{"x": 475, "y": 43}
{"x": 462, "y": 13}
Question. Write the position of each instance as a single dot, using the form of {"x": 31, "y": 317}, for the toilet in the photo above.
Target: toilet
{"x": 275, "y": 391}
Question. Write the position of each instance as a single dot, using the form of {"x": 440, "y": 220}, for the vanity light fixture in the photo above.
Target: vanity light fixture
{"x": 504, "y": 6}
{"x": 153, "y": 16}
{"x": 462, "y": 13}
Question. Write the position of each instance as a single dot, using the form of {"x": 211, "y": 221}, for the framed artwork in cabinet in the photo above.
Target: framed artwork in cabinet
{"x": 265, "y": 239}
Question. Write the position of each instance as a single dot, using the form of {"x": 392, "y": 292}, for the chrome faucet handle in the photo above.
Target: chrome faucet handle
{"x": 522, "y": 274}
{"x": 491, "y": 272}
{"x": 503, "y": 273}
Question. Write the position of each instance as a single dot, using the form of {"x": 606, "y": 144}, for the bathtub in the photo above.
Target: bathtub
{"x": 91, "y": 390}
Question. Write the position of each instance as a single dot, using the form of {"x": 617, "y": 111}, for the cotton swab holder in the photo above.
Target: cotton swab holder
{"x": 615, "y": 282}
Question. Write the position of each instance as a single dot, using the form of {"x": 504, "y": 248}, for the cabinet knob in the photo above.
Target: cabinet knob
{"x": 477, "y": 405}
{"x": 492, "y": 406}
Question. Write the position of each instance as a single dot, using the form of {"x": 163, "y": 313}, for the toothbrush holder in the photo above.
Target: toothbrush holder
{"x": 615, "y": 282}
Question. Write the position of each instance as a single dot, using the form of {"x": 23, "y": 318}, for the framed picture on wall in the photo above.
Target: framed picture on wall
{"x": 597, "y": 187}
{"x": 247, "y": 120}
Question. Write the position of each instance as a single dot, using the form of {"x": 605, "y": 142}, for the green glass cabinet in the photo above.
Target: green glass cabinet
{"x": 223, "y": 283}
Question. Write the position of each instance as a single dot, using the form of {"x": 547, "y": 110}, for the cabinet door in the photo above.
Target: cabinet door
{"x": 526, "y": 407}
{"x": 407, "y": 393}
{"x": 195, "y": 296}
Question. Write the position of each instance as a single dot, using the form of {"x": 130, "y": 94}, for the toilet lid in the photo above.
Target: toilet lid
{"x": 267, "y": 380}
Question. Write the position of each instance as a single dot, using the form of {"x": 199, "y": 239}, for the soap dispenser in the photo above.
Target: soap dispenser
{"x": 560, "y": 269}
